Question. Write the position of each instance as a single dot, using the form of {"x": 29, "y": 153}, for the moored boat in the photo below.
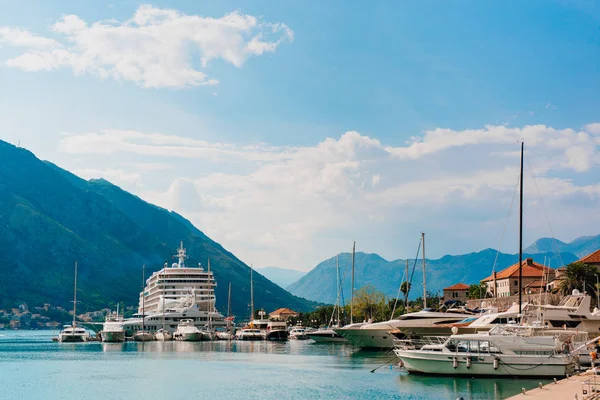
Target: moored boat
{"x": 249, "y": 334}
{"x": 298, "y": 333}
{"x": 163, "y": 335}
{"x": 73, "y": 333}
{"x": 326, "y": 335}
{"x": 187, "y": 331}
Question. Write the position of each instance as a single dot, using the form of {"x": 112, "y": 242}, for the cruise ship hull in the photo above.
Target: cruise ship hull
{"x": 483, "y": 365}
{"x": 113, "y": 337}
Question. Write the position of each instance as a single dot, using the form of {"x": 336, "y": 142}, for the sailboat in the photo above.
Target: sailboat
{"x": 328, "y": 335}
{"x": 143, "y": 335}
{"x": 73, "y": 333}
{"x": 250, "y": 332}
{"x": 163, "y": 335}
{"x": 229, "y": 334}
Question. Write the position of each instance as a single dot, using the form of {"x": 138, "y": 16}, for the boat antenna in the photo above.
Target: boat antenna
{"x": 352, "y": 288}
{"x": 208, "y": 264}
{"x": 75, "y": 298}
{"x": 521, "y": 234}
{"x": 424, "y": 273}
{"x": 181, "y": 255}
{"x": 337, "y": 267}
{"x": 407, "y": 286}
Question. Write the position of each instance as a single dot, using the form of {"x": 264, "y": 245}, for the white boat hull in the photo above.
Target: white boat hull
{"x": 188, "y": 336}
{"x": 113, "y": 337}
{"x": 163, "y": 336}
{"x": 369, "y": 338}
{"x": 436, "y": 363}
{"x": 327, "y": 336}
{"x": 143, "y": 337}
{"x": 72, "y": 338}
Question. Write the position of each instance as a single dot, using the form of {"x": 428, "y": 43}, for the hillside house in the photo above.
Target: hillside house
{"x": 506, "y": 282}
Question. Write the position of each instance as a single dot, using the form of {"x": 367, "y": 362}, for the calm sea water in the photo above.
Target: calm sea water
{"x": 34, "y": 367}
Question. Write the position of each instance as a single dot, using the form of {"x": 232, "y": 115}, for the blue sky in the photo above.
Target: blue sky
{"x": 277, "y": 171}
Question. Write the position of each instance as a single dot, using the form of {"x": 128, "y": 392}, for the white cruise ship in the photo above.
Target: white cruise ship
{"x": 179, "y": 292}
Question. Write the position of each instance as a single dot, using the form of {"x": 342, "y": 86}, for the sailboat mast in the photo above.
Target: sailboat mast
{"x": 352, "y": 289}
{"x": 406, "y": 293}
{"x": 424, "y": 273}
{"x": 75, "y": 297}
{"x": 143, "y": 295}
{"x": 521, "y": 233}
{"x": 337, "y": 278}
{"x": 229, "y": 302}
{"x": 251, "y": 296}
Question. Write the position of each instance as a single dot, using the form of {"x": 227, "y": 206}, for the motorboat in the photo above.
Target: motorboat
{"x": 73, "y": 334}
{"x": 112, "y": 329}
{"x": 377, "y": 335}
{"x": 276, "y": 331}
{"x": 250, "y": 334}
{"x": 143, "y": 336}
{"x": 163, "y": 335}
{"x": 187, "y": 332}
{"x": 298, "y": 333}
{"x": 471, "y": 324}
{"x": 326, "y": 335}
{"x": 500, "y": 352}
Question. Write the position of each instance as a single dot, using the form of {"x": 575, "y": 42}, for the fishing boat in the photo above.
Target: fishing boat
{"x": 112, "y": 329}
{"x": 73, "y": 333}
{"x": 501, "y": 352}
{"x": 187, "y": 332}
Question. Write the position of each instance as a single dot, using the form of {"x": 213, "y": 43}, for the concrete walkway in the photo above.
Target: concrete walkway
{"x": 568, "y": 388}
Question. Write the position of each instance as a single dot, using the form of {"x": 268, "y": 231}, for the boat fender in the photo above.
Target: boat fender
{"x": 454, "y": 362}
{"x": 468, "y": 362}
{"x": 495, "y": 362}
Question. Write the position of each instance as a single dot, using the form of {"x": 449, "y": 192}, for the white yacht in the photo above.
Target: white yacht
{"x": 163, "y": 335}
{"x": 187, "y": 331}
{"x": 298, "y": 333}
{"x": 377, "y": 335}
{"x": 271, "y": 329}
{"x": 327, "y": 335}
{"x": 499, "y": 352}
{"x": 176, "y": 293}
{"x": 112, "y": 330}
{"x": 471, "y": 324}
{"x": 73, "y": 333}
{"x": 249, "y": 334}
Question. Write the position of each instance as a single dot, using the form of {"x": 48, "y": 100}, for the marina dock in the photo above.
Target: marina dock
{"x": 582, "y": 386}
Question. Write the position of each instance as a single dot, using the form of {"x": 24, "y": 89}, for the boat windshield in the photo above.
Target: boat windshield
{"x": 471, "y": 346}
{"x": 470, "y": 319}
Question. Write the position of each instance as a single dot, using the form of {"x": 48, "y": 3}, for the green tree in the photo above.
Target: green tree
{"x": 576, "y": 275}
{"x": 370, "y": 303}
{"x": 477, "y": 291}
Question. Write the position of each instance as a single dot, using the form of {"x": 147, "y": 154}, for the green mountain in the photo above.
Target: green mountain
{"x": 582, "y": 246}
{"x": 49, "y": 218}
{"x": 320, "y": 283}
{"x": 281, "y": 276}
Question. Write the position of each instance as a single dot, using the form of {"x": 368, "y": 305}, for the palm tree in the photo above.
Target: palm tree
{"x": 578, "y": 274}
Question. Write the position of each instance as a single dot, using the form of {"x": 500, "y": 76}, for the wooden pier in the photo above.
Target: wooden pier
{"x": 583, "y": 386}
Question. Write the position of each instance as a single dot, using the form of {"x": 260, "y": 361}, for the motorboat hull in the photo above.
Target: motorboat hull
{"x": 113, "y": 337}
{"x": 368, "y": 338}
{"x": 251, "y": 337}
{"x": 188, "y": 336}
{"x": 72, "y": 338}
{"x": 163, "y": 336}
{"x": 207, "y": 336}
{"x": 436, "y": 363}
{"x": 327, "y": 336}
{"x": 143, "y": 337}
{"x": 276, "y": 336}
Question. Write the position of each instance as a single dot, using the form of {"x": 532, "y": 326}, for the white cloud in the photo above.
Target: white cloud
{"x": 155, "y": 48}
{"x": 294, "y": 206}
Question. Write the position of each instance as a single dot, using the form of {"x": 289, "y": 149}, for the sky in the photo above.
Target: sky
{"x": 286, "y": 130}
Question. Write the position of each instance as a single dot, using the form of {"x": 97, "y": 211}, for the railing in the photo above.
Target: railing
{"x": 591, "y": 388}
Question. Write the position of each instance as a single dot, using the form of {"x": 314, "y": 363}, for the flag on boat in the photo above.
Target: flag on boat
{"x": 229, "y": 318}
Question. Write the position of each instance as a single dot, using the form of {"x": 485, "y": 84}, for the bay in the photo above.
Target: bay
{"x": 34, "y": 367}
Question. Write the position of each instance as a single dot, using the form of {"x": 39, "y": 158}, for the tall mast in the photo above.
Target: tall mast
{"x": 406, "y": 294}
{"x": 75, "y": 297}
{"x": 143, "y": 295}
{"x": 337, "y": 277}
{"x": 251, "y": 296}
{"x": 521, "y": 232}
{"x": 424, "y": 273}
{"x": 352, "y": 292}
{"x": 229, "y": 302}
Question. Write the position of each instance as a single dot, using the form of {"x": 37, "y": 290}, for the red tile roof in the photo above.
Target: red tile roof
{"x": 592, "y": 258}
{"x": 283, "y": 312}
{"x": 530, "y": 268}
{"x": 458, "y": 286}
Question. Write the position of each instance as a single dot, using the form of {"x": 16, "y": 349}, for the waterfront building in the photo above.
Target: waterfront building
{"x": 459, "y": 292}
{"x": 283, "y": 314}
{"x": 506, "y": 282}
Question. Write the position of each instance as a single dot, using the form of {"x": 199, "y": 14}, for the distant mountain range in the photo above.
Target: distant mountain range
{"x": 281, "y": 276}
{"x": 50, "y": 218}
{"x": 581, "y": 246}
{"x": 319, "y": 284}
